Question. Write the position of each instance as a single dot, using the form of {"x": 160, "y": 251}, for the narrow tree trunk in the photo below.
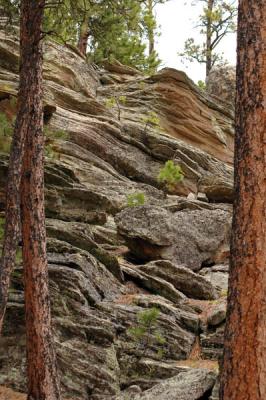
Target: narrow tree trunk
{"x": 150, "y": 29}
{"x": 244, "y": 365}
{"x": 83, "y": 36}
{"x": 29, "y": 39}
{"x": 41, "y": 362}
{"x": 209, "y": 38}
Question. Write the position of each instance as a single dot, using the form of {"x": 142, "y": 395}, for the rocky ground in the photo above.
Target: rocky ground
{"x": 109, "y": 262}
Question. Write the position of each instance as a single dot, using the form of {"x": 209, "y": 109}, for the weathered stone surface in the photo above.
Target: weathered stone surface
{"x": 215, "y": 390}
{"x": 154, "y": 284}
{"x": 191, "y": 385}
{"x": 80, "y": 236}
{"x": 75, "y": 101}
{"x": 212, "y": 343}
{"x": 184, "y": 315}
{"x": 192, "y": 238}
{"x": 217, "y": 314}
{"x": 218, "y": 276}
{"x": 221, "y": 84}
{"x": 182, "y": 278}
{"x": 89, "y": 175}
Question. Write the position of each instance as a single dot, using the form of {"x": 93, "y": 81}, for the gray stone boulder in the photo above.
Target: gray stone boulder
{"x": 217, "y": 315}
{"x": 182, "y": 278}
{"x": 193, "y": 237}
{"x": 218, "y": 276}
{"x": 191, "y": 385}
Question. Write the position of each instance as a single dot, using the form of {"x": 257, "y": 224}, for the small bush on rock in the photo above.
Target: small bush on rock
{"x": 151, "y": 120}
{"x": 145, "y": 333}
{"x": 135, "y": 199}
{"x": 170, "y": 174}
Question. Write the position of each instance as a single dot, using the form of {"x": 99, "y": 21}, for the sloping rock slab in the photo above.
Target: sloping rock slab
{"x": 191, "y": 385}
{"x": 154, "y": 284}
{"x": 192, "y": 237}
{"x": 182, "y": 278}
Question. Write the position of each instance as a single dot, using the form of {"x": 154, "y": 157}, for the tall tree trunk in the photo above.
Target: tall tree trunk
{"x": 84, "y": 34}
{"x": 209, "y": 38}
{"x": 244, "y": 365}
{"x": 150, "y": 28}
{"x": 41, "y": 362}
{"x": 28, "y": 39}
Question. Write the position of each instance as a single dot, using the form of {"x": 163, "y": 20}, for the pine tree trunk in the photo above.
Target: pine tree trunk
{"x": 150, "y": 29}
{"x": 41, "y": 361}
{"x": 244, "y": 365}
{"x": 209, "y": 39}
{"x": 29, "y": 39}
{"x": 83, "y": 36}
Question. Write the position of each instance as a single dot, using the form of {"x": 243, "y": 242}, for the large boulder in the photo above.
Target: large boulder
{"x": 193, "y": 238}
{"x": 191, "y": 385}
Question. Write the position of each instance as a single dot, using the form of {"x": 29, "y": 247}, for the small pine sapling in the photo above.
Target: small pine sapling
{"x": 116, "y": 101}
{"x": 170, "y": 174}
{"x": 145, "y": 333}
{"x": 151, "y": 120}
{"x": 135, "y": 199}
{"x": 202, "y": 85}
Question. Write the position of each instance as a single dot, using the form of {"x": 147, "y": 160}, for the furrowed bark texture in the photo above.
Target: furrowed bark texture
{"x": 84, "y": 36}
{"x": 244, "y": 366}
{"x": 41, "y": 361}
{"x": 29, "y": 60}
{"x": 209, "y": 49}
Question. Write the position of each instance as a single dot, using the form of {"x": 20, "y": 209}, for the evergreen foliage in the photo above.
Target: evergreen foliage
{"x": 151, "y": 119}
{"x": 145, "y": 333}
{"x": 170, "y": 174}
{"x": 202, "y": 85}
{"x": 123, "y": 30}
{"x": 135, "y": 199}
{"x": 114, "y": 28}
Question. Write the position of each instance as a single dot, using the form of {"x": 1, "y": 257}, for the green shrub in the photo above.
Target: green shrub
{"x": 151, "y": 119}
{"x": 170, "y": 174}
{"x": 145, "y": 333}
{"x": 202, "y": 85}
{"x": 135, "y": 199}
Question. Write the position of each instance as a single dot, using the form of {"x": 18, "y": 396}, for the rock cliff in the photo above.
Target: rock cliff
{"x": 109, "y": 262}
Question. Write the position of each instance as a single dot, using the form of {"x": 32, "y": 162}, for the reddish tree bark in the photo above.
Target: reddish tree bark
{"x": 244, "y": 366}
{"x": 29, "y": 61}
{"x": 41, "y": 361}
{"x": 83, "y": 36}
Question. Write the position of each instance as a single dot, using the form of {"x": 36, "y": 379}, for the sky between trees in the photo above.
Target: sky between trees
{"x": 178, "y": 22}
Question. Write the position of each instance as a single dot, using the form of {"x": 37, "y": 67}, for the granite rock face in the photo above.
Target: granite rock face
{"x": 109, "y": 262}
{"x": 193, "y": 238}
